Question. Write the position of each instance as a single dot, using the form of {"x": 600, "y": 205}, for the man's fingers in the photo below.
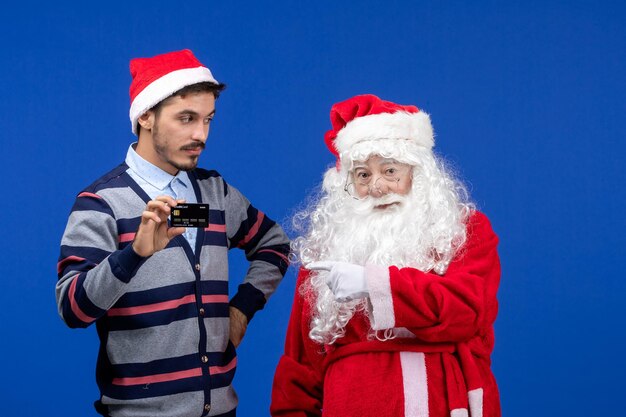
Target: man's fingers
{"x": 172, "y": 232}
{"x": 146, "y": 216}
{"x": 320, "y": 266}
{"x": 159, "y": 206}
{"x": 238, "y": 325}
{"x": 166, "y": 199}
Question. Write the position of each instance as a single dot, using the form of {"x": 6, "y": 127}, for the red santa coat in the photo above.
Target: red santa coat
{"x": 438, "y": 365}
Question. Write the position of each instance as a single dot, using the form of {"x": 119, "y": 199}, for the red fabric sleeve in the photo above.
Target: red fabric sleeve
{"x": 453, "y": 307}
{"x": 297, "y": 388}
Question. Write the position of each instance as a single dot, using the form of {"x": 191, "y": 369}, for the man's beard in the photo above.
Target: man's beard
{"x": 160, "y": 143}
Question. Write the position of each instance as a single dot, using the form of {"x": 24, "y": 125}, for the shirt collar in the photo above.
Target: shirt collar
{"x": 151, "y": 173}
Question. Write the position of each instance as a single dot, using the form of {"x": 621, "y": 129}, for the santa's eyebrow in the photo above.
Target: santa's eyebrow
{"x": 389, "y": 161}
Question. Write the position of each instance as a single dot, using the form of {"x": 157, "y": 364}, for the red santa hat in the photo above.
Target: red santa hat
{"x": 367, "y": 125}
{"x": 157, "y": 78}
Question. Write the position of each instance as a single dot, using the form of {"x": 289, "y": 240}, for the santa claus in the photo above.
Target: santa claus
{"x": 396, "y": 300}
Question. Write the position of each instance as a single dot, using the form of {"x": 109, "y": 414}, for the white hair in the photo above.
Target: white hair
{"x": 425, "y": 231}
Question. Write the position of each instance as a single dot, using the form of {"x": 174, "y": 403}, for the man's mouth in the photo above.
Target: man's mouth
{"x": 193, "y": 149}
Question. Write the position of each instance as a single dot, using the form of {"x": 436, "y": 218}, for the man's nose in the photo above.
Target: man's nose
{"x": 200, "y": 132}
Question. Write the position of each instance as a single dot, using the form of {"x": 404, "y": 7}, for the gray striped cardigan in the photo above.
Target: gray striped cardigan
{"x": 163, "y": 321}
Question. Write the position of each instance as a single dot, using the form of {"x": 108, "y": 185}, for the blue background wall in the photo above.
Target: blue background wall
{"x": 527, "y": 100}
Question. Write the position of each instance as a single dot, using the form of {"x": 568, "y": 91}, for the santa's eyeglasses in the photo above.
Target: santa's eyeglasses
{"x": 361, "y": 182}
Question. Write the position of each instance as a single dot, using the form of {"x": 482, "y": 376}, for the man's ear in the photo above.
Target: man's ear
{"x": 146, "y": 120}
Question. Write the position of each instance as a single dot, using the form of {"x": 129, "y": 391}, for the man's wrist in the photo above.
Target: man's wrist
{"x": 125, "y": 263}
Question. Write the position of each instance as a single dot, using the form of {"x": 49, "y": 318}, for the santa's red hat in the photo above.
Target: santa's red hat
{"x": 368, "y": 124}
{"x": 157, "y": 78}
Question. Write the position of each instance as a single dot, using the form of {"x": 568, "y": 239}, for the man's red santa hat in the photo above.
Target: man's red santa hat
{"x": 157, "y": 78}
{"x": 367, "y": 125}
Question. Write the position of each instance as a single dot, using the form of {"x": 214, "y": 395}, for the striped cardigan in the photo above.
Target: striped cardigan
{"x": 163, "y": 321}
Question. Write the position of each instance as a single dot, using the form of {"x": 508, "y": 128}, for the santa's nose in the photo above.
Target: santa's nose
{"x": 378, "y": 188}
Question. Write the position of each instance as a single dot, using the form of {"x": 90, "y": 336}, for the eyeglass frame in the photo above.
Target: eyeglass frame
{"x": 375, "y": 185}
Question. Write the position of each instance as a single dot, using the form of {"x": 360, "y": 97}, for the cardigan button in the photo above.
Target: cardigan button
{"x": 207, "y": 407}
{"x": 204, "y": 359}
{"x": 201, "y": 311}
{"x": 197, "y": 267}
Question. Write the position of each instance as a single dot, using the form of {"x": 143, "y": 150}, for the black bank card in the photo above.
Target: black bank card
{"x": 190, "y": 215}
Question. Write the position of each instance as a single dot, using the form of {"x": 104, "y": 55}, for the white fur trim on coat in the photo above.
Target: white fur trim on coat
{"x": 400, "y": 125}
{"x": 379, "y": 285}
{"x": 415, "y": 384}
{"x": 475, "y": 398}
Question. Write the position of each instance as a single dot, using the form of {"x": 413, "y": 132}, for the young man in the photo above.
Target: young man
{"x": 159, "y": 294}
{"x": 395, "y": 303}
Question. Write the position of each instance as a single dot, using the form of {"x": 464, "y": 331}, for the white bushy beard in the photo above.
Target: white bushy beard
{"x": 423, "y": 231}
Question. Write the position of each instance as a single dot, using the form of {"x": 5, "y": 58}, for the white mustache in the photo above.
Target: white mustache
{"x": 369, "y": 204}
{"x": 389, "y": 199}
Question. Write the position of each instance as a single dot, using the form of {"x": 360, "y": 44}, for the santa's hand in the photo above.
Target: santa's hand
{"x": 345, "y": 280}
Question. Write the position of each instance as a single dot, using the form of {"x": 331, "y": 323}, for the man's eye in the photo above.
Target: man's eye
{"x": 185, "y": 119}
{"x": 208, "y": 120}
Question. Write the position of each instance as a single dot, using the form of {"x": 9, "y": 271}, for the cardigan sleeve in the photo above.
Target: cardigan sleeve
{"x": 92, "y": 271}
{"x": 266, "y": 247}
{"x": 297, "y": 388}
{"x": 453, "y": 307}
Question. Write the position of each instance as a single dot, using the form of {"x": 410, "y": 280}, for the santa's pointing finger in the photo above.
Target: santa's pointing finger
{"x": 320, "y": 265}
{"x": 345, "y": 280}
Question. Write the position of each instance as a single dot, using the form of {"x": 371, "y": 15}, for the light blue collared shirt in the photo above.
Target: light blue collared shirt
{"x": 155, "y": 182}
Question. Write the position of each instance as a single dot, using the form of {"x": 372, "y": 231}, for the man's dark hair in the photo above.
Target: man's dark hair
{"x": 203, "y": 87}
